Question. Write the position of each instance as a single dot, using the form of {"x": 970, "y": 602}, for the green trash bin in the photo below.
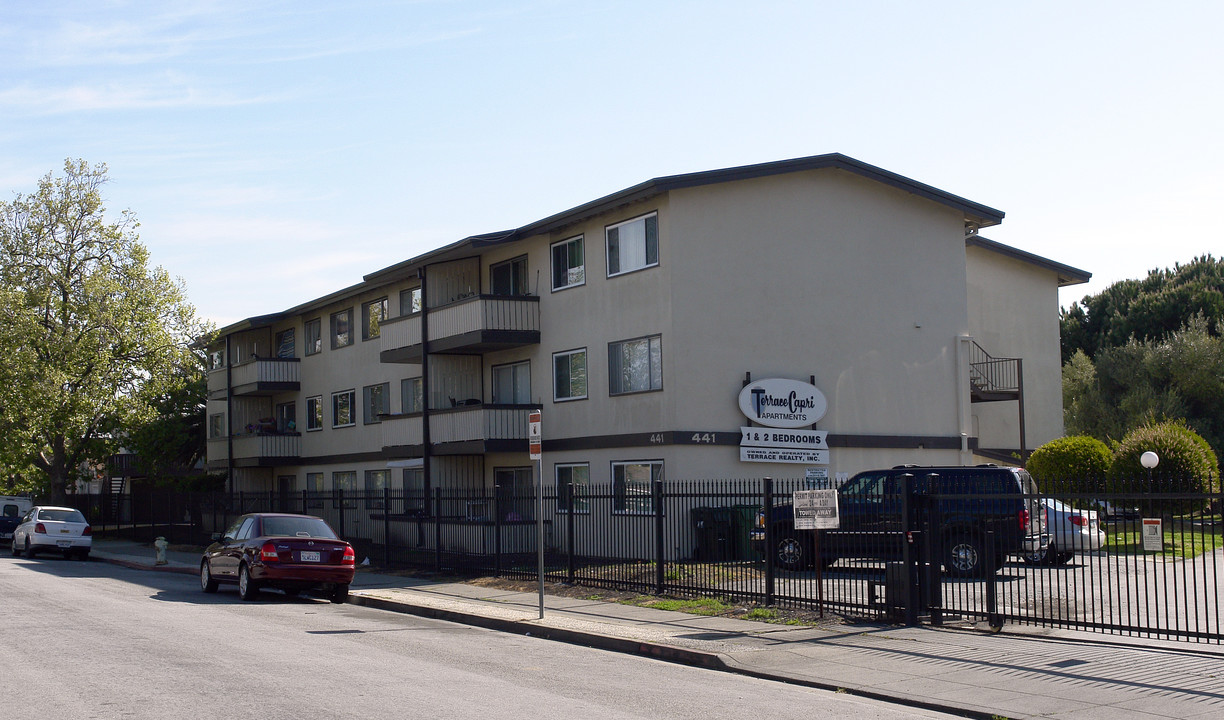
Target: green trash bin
{"x": 745, "y": 520}
{"x": 714, "y": 528}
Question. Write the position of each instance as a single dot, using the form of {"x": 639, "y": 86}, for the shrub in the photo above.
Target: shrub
{"x": 1070, "y": 464}
{"x": 1187, "y": 462}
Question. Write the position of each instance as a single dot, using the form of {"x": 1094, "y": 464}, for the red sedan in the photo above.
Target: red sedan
{"x": 292, "y": 553}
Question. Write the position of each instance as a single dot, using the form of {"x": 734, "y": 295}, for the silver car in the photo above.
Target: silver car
{"x": 46, "y": 528}
{"x": 1071, "y": 531}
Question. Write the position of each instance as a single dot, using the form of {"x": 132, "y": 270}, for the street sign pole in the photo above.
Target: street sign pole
{"x": 533, "y": 444}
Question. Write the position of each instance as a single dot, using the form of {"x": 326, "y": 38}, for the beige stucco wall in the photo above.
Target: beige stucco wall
{"x": 1013, "y": 312}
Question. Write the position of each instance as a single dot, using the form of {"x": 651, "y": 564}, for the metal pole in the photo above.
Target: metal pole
{"x": 540, "y": 529}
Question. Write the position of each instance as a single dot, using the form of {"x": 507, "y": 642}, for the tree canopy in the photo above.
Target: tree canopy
{"x": 90, "y": 334}
{"x": 1150, "y": 309}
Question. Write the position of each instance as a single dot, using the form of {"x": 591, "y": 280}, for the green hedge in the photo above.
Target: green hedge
{"x": 1070, "y": 464}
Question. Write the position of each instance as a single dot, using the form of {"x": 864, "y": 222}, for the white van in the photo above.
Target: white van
{"x": 12, "y": 509}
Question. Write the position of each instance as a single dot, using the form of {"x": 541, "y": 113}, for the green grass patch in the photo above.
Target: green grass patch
{"x": 1182, "y": 542}
{"x": 695, "y": 606}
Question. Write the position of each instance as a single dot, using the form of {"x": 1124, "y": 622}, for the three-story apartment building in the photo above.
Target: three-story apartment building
{"x": 633, "y": 324}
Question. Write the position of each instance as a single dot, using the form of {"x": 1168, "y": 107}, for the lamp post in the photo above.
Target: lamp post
{"x": 1149, "y": 460}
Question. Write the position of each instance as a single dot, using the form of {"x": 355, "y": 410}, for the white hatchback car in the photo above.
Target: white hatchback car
{"x": 46, "y": 528}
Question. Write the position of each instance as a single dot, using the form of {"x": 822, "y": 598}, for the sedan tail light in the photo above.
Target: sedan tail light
{"x": 88, "y": 530}
{"x": 40, "y": 529}
{"x": 268, "y": 553}
{"x": 1079, "y": 520}
{"x": 350, "y": 557}
{"x": 1024, "y": 519}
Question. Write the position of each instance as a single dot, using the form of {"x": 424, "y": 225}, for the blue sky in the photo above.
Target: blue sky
{"x": 277, "y": 151}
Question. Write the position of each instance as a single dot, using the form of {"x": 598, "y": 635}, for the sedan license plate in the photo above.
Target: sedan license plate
{"x": 309, "y": 556}
{"x": 64, "y": 543}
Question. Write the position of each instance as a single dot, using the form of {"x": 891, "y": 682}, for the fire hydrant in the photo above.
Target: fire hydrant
{"x": 160, "y": 543}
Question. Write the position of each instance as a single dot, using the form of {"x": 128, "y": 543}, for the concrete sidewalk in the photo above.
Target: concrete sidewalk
{"x": 1019, "y": 673}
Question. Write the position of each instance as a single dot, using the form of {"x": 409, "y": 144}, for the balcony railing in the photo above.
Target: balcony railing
{"x": 261, "y": 376}
{"x": 472, "y": 428}
{"x": 479, "y": 323}
{"x": 257, "y": 449}
{"x": 992, "y": 378}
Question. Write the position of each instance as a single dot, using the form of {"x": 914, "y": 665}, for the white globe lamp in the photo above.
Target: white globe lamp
{"x": 1149, "y": 459}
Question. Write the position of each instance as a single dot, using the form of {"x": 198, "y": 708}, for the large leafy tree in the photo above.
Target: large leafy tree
{"x": 88, "y": 331}
{"x": 1146, "y": 310}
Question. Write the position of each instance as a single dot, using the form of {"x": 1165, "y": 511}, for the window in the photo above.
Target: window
{"x": 635, "y": 365}
{"x": 216, "y": 359}
{"x": 286, "y": 417}
{"x": 342, "y": 408}
{"x": 376, "y": 481}
{"x": 515, "y": 494}
{"x": 411, "y": 398}
{"x": 314, "y": 490}
{"x": 509, "y": 278}
{"x": 344, "y": 482}
{"x": 342, "y": 329}
{"x": 570, "y": 375}
{"x": 579, "y": 475}
{"x": 314, "y": 336}
{"x": 314, "y": 413}
{"x": 372, "y": 315}
{"x": 512, "y": 384}
{"x": 410, "y": 301}
{"x": 633, "y": 245}
{"x": 216, "y": 425}
{"x": 285, "y": 344}
{"x": 377, "y": 399}
{"x": 631, "y": 486}
{"x": 568, "y": 264}
{"x": 416, "y": 494}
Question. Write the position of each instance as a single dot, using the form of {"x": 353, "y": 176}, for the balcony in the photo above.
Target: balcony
{"x": 257, "y": 450}
{"x": 474, "y": 325}
{"x": 464, "y": 430}
{"x": 261, "y": 376}
{"x": 993, "y": 379}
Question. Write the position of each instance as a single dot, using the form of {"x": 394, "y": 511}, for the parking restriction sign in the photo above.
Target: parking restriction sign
{"x": 533, "y": 434}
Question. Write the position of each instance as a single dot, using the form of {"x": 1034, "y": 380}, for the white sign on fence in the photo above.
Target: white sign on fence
{"x": 815, "y": 510}
{"x": 1153, "y": 535}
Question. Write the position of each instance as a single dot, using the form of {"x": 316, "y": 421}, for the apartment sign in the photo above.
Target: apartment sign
{"x": 783, "y": 446}
{"x": 534, "y": 435}
{"x": 782, "y": 403}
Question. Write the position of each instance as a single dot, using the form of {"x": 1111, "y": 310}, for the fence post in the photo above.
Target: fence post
{"x": 992, "y": 588}
{"x": 497, "y": 529}
{"x": 767, "y": 503}
{"x": 569, "y": 536}
{"x": 657, "y": 501}
{"x": 908, "y": 561}
{"x": 305, "y": 502}
{"x": 438, "y": 529}
{"x": 386, "y": 527}
{"x": 932, "y": 552}
{"x": 340, "y": 500}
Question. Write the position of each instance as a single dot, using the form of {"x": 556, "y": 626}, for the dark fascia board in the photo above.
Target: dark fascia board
{"x": 975, "y": 213}
{"x": 303, "y": 309}
{"x": 1067, "y": 275}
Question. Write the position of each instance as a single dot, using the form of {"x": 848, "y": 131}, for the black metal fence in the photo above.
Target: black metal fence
{"x": 1153, "y": 569}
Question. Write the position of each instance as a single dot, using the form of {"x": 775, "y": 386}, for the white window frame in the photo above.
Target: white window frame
{"x": 314, "y": 416}
{"x": 568, "y": 356}
{"x": 575, "y": 275}
{"x": 523, "y": 366}
{"x": 314, "y": 486}
{"x": 621, "y": 500}
{"x": 629, "y": 248}
{"x": 286, "y": 343}
{"x": 582, "y": 500}
{"x": 345, "y": 480}
{"x": 352, "y": 408}
{"x": 374, "y": 488}
{"x": 412, "y": 306}
{"x": 216, "y": 425}
{"x": 518, "y": 279}
{"x": 617, "y": 363}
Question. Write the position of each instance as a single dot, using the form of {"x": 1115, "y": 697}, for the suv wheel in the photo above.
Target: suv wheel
{"x": 965, "y": 556}
{"x": 791, "y": 551}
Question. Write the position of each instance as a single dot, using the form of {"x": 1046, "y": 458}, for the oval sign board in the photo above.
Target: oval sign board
{"x": 782, "y": 403}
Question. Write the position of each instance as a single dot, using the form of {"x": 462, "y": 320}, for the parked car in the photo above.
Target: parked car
{"x": 12, "y": 509}
{"x": 47, "y": 528}
{"x": 291, "y": 553}
{"x": 1071, "y": 531}
{"x": 972, "y": 501}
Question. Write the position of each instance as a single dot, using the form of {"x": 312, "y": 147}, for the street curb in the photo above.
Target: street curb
{"x": 658, "y": 651}
{"x": 146, "y": 566}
